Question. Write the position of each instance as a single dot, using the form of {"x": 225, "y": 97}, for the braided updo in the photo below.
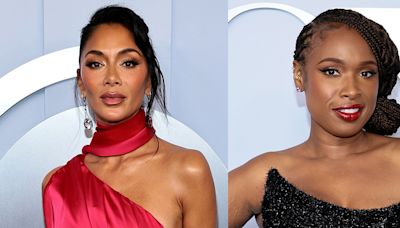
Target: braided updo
{"x": 386, "y": 118}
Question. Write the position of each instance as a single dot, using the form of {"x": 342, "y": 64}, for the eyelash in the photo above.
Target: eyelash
{"x": 371, "y": 73}
{"x": 129, "y": 63}
{"x": 332, "y": 72}
{"x": 94, "y": 65}
{"x": 327, "y": 70}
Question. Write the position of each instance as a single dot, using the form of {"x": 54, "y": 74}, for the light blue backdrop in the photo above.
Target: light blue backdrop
{"x": 191, "y": 48}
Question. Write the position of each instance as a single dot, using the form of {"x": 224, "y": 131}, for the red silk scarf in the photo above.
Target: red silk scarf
{"x": 112, "y": 140}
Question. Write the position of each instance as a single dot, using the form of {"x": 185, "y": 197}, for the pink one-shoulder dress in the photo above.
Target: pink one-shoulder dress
{"x": 75, "y": 197}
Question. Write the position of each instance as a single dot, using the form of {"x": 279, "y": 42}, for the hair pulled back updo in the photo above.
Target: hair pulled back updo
{"x": 139, "y": 31}
{"x": 386, "y": 118}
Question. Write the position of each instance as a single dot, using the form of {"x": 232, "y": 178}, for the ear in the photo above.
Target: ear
{"x": 298, "y": 76}
{"x": 81, "y": 87}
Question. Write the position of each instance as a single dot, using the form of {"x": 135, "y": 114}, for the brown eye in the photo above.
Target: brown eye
{"x": 330, "y": 71}
{"x": 129, "y": 64}
{"x": 94, "y": 65}
{"x": 367, "y": 74}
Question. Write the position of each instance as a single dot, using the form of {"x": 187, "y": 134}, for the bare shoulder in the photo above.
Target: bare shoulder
{"x": 260, "y": 165}
{"x": 383, "y": 139}
{"x": 389, "y": 144}
{"x": 48, "y": 177}
{"x": 186, "y": 162}
{"x": 191, "y": 176}
{"x": 394, "y": 141}
{"x": 253, "y": 173}
{"x": 247, "y": 185}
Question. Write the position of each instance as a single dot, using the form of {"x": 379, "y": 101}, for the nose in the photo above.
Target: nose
{"x": 350, "y": 87}
{"x": 112, "y": 77}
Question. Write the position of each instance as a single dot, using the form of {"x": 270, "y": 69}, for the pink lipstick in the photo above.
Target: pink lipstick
{"x": 349, "y": 113}
{"x": 112, "y": 98}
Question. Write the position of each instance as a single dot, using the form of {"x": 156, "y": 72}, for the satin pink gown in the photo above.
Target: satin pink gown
{"x": 74, "y": 197}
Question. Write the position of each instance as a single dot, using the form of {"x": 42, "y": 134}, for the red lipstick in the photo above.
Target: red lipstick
{"x": 112, "y": 98}
{"x": 349, "y": 113}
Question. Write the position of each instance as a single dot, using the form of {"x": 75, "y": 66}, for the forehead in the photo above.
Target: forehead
{"x": 109, "y": 36}
{"x": 339, "y": 41}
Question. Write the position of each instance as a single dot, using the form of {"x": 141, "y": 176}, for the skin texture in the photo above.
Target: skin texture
{"x": 179, "y": 192}
{"x": 113, "y": 64}
{"x": 339, "y": 163}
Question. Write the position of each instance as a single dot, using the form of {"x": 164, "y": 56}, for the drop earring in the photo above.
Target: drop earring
{"x": 149, "y": 121}
{"x": 87, "y": 123}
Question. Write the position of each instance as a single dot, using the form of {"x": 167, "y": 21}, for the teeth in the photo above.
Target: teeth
{"x": 350, "y": 110}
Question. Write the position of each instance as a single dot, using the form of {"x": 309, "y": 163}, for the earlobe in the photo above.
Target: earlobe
{"x": 148, "y": 87}
{"x": 298, "y": 80}
{"x": 148, "y": 93}
{"x": 80, "y": 83}
{"x": 298, "y": 76}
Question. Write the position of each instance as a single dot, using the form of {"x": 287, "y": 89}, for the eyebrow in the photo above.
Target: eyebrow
{"x": 123, "y": 51}
{"x": 363, "y": 63}
{"x": 127, "y": 50}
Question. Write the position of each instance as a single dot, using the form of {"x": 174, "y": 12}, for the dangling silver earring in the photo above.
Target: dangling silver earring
{"x": 87, "y": 123}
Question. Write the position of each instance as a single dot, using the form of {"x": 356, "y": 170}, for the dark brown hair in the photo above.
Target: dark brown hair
{"x": 386, "y": 118}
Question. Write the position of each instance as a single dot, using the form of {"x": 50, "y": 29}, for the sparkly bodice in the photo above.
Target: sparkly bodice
{"x": 284, "y": 205}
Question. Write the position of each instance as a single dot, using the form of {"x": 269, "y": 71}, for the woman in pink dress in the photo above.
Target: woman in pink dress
{"x": 127, "y": 176}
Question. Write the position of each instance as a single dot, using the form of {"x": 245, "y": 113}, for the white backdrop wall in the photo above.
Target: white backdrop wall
{"x": 265, "y": 111}
{"x": 192, "y": 52}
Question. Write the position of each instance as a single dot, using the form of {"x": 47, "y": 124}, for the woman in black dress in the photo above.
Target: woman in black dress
{"x": 346, "y": 173}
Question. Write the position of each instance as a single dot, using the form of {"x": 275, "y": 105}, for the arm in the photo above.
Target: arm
{"x": 246, "y": 191}
{"x": 198, "y": 196}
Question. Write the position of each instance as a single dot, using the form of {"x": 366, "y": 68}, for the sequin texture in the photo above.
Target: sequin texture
{"x": 284, "y": 205}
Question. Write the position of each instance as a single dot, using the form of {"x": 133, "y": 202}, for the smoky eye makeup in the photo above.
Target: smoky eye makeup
{"x": 93, "y": 64}
{"x": 129, "y": 63}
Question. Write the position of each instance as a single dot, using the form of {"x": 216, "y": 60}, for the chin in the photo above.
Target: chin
{"x": 112, "y": 118}
{"x": 116, "y": 114}
{"x": 347, "y": 132}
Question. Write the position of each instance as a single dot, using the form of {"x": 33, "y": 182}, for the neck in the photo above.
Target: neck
{"x": 122, "y": 138}
{"x": 323, "y": 144}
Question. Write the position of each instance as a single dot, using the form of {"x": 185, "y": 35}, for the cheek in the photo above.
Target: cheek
{"x": 376, "y": 86}
{"x": 136, "y": 82}
{"x": 371, "y": 91}
{"x": 319, "y": 89}
{"x": 90, "y": 81}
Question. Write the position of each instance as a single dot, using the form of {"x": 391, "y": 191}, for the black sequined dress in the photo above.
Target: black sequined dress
{"x": 284, "y": 205}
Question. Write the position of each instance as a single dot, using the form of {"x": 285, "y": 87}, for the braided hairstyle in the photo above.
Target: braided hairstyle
{"x": 386, "y": 118}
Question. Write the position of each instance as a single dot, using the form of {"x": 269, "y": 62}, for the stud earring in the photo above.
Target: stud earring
{"x": 298, "y": 78}
{"x": 87, "y": 123}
